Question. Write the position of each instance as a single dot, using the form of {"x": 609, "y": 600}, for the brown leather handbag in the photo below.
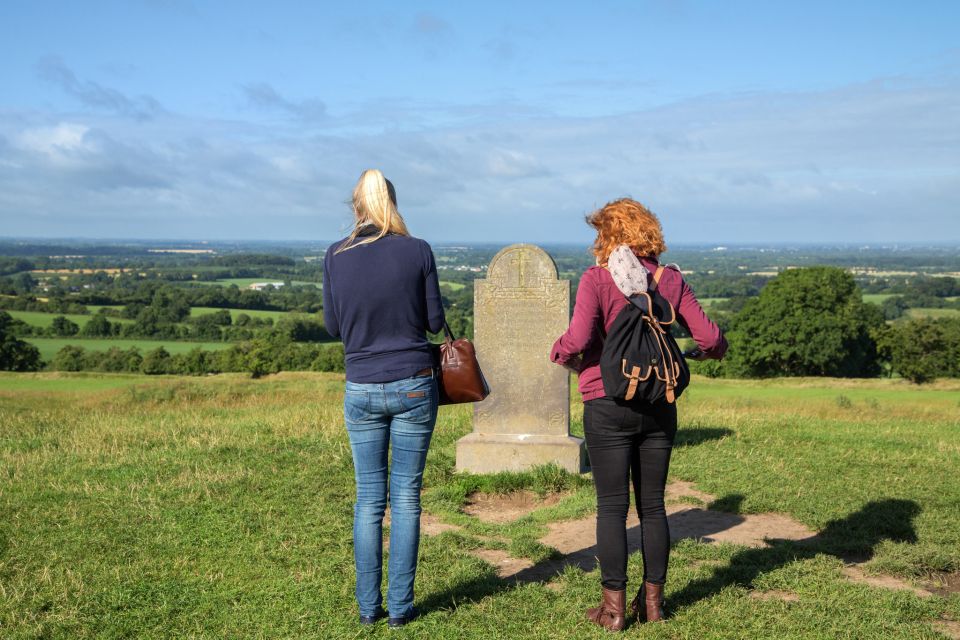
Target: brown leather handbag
{"x": 459, "y": 376}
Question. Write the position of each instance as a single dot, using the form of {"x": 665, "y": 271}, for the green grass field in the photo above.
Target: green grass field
{"x": 924, "y": 312}
{"x": 221, "y": 507}
{"x": 42, "y": 319}
{"x": 253, "y": 313}
{"x": 456, "y": 286}
{"x": 708, "y": 302}
{"x": 49, "y": 346}
{"x": 94, "y": 308}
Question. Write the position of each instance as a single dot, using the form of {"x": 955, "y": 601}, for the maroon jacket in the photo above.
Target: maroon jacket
{"x": 597, "y": 305}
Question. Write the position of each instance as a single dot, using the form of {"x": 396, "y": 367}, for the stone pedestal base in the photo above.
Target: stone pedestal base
{"x": 489, "y": 453}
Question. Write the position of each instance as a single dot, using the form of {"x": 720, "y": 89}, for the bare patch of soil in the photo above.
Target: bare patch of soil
{"x": 498, "y": 509}
{"x": 752, "y": 530}
{"x": 505, "y": 564}
{"x": 575, "y": 540}
{"x": 946, "y": 584}
{"x": 775, "y": 594}
{"x": 948, "y": 628}
{"x": 857, "y": 574}
{"x": 430, "y": 525}
{"x": 683, "y": 489}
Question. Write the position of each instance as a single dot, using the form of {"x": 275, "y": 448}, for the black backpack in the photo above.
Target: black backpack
{"x": 640, "y": 359}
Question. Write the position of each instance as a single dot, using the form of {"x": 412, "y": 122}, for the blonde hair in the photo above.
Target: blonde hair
{"x": 374, "y": 202}
{"x": 628, "y": 222}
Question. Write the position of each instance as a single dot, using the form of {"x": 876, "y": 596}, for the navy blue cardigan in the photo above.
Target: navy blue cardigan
{"x": 380, "y": 299}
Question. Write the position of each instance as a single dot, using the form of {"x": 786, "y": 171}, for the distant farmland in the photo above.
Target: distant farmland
{"x": 253, "y": 313}
{"x": 243, "y": 283}
{"x": 49, "y": 346}
{"x": 43, "y": 319}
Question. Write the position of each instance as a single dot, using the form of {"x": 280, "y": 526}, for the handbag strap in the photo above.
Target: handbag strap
{"x": 447, "y": 333}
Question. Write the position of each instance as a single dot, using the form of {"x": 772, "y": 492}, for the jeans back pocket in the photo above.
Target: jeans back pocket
{"x": 356, "y": 405}
{"x": 417, "y": 402}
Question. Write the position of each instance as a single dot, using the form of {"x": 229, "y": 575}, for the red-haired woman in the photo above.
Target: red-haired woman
{"x": 628, "y": 437}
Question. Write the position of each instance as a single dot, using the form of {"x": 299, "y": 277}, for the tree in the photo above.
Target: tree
{"x": 156, "y": 362}
{"x": 922, "y": 350}
{"x": 63, "y": 326}
{"x": 195, "y": 362}
{"x": 70, "y": 358}
{"x": 805, "y": 322}
{"x": 23, "y": 283}
{"x": 893, "y": 307}
{"x": 330, "y": 358}
{"x": 16, "y": 354}
{"x": 116, "y": 360}
{"x": 301, "y": 329}
{"x": 170, "y": 305}
{"x": 97, "y": 327}
{"x": 208, "y": 326}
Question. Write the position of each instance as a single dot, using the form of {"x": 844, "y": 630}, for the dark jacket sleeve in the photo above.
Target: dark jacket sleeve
{"x": 435, "y": 317}
{"x": 330, "y": 319}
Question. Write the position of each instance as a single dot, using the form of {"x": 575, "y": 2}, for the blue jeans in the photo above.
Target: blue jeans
{"x": 400, "y": 415}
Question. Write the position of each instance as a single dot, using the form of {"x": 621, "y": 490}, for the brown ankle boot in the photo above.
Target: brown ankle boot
{"x": 648, "y": 605}
{"x": 610, "y": 613}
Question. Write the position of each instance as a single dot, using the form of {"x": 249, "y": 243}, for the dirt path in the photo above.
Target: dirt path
{"x": 575, "y": 540}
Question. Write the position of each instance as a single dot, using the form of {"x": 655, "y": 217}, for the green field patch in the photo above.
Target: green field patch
{"x": 456, "y": 286}
{"x": 877, "y": 298}
{"x": 253, "y": 313}
{"x": 43, "y": 319}
{"x": 94, "y": 308}
{"x": 80, "y": 382}
{"x": 709, "y": 302}
{"x": 49, "y": 346}
{"x": 932, "y": 312}
{"x": 819, "y": 394}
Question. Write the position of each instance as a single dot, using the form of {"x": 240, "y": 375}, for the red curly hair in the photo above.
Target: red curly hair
{"x": 626, "y": 221}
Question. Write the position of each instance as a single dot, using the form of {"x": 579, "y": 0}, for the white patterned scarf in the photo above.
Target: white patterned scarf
{"x": 628, "y": 272}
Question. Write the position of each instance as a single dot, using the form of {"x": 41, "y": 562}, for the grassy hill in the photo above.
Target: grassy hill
{"x": 135, "y": 506}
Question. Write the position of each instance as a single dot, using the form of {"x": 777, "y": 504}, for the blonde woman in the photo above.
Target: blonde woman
{"x": 381, "y": 296}
{"x": 624, "y": 438}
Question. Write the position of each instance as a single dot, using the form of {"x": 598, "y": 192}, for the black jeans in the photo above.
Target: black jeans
{"x": 625, "y": 438}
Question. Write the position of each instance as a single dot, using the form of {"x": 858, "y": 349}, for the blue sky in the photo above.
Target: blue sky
{"x": 737, "y": 122}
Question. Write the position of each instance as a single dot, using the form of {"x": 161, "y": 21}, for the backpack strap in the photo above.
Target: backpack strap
{"x": 656, "y": 277}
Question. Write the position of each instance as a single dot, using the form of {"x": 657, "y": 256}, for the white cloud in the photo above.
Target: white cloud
{"x": 65, "y": 136}
{"x": 775, "y": 166}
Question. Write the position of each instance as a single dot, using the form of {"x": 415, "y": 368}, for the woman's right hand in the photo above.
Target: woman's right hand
{"x": 695, "y": 354}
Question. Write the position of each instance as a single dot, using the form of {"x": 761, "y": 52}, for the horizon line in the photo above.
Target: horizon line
{"x": 694, "y": 244}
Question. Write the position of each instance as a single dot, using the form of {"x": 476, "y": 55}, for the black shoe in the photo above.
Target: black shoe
{"x": 395, "y": 623}
{"x": 379, "y": 615}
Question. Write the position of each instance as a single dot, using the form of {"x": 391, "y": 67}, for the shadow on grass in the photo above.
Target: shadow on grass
{"x": 699, "y": 435}
{"x": 852, "y": 539}
{"x": 697, "y": 524}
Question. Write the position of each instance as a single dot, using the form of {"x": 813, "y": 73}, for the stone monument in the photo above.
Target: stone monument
{"x": 519, "y": 310}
